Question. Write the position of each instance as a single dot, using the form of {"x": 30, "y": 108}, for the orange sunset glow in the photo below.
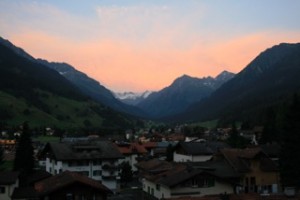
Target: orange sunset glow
{"x": 144, "y": 46}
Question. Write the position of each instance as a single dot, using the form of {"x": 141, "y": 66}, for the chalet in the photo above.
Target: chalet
{"x": 96, "y": 159}
{"x": 258, "y": 172}
{"x": 131, "y": 152}
{"x": 8, "y": 182}
{"x": 182, "y": 179}
{"x": 66, "y": 185}
{"x": 196, "y": 151}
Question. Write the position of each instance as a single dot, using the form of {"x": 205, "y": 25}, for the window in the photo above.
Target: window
{"x": 2, "y": 189}
{"x": 97, "y": 173}
{"x": 158, "y": 187}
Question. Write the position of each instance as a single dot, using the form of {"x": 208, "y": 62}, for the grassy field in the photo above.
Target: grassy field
{"x": 207, "y": 124}
{"x": 45, "y": 139}
{"x": 63, "y": 112}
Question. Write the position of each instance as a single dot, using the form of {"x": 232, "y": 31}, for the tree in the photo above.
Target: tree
{"x": 290, "y": 149}
{"x": 269, "y": 131}
{"x": 170, "y": 151}
{"x": 234, "y": 139}
{"x": 24, "y": 160}
{"x": 126, "y": 172}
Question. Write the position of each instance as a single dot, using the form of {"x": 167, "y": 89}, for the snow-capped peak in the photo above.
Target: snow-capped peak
{"x": 132, "y": 95}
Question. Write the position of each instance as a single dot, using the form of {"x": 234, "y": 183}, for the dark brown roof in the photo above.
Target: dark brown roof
{"x": 239, "y": 159}
{"x": 86, "y": 150}
{"x": 154, "y": 165}
{"x": 131, "y": 148}
{"x": 8, "y": 177}
{"x": 219, "y": 168}
{"x": 64, "y": 179}
{"x": 180, "y": 172}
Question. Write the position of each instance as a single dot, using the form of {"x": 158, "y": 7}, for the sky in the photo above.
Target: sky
{"x": 137, "y": 45}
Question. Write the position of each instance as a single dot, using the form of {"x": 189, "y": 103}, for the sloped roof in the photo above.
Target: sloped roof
{"x": 239, "y": 159}
{"x": 131, "y": 148}
{"x": 149, "y": 145}
{"x": 201, "y": 148}
{"x": 180, "y": 172}
{"x": 64, "y": 179}
{"x": 83, "y": 150}
{"x": 219, "y": 168}
{"x": 154, "y": 165}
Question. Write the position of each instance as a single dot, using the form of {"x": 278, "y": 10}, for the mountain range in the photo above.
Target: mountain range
{"x": 270, "y": 79}
{"x": 132, "y": 98}
{"x": 40, "y": 86}
{"x": 183, "y": 92}
{"x": 32, "y": 91}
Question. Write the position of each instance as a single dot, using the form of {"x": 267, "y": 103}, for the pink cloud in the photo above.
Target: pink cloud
{"x": 124, "y": 65}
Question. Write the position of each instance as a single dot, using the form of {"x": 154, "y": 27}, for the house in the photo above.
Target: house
{"x": 131, "y": 152}
{"x": 96, "y": 159}
{"x": 259, "y": 173}
{"x": 196, "y": 151}
{"x": 182, "y": 179}
{"x": 9, "y": 180}
{"x": 66, "y": 185}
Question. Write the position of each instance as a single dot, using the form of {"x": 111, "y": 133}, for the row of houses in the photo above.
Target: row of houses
{"x": 229, "y": 171}
{"x": 198, "y": 168}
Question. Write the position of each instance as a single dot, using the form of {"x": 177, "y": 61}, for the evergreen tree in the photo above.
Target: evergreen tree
{"x": 170, "y": 151}
{"x": 24, "y": 160}
{"x": 269, "y": 132}
{"x": 290, "y": 147}
{"x": 234, "y": 139}
{"x": 126, "y": 173}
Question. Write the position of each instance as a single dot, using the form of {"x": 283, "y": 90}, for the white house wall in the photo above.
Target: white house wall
{"x": 56, "y": 167}
{"x": 166, "y": 192}
{"x": 218, "y": 188}
{"x": 9, "y": 189}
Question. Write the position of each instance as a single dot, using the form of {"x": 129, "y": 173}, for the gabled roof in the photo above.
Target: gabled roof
{"x": 8, "y": 177}
{"x": 154, "y": 165}
{"x": 83, "y": 150}
{"x": 64, "y": 179}
{"x": 201, "y": 148}
{"x": 219, "y": 168}
{"x": 131, "y": 148}
{"x": 56, "y": 183}
{"x": 239, "y": 159}
{"x": 150, "y": 145}
{"x": 181, "y": 172}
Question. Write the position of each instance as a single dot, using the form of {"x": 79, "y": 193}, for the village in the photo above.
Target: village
{"x": 151, "y": 165}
